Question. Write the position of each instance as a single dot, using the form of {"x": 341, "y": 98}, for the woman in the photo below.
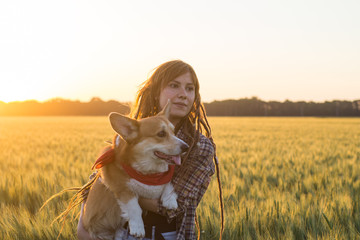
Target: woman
{"x": 177, "y": 81}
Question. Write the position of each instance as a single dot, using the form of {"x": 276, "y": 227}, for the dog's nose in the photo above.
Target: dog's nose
{"x": 184, "y": 147}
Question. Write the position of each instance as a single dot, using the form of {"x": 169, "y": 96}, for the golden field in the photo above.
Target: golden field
{"x": 283, "y": 178}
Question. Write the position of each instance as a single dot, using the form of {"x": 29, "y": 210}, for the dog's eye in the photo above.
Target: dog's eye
{"x": 161, "y": 134}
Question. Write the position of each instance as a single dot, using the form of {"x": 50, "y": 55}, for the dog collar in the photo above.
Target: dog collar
{"x": 106, "y": 158}
{"x": 148, "y": 179}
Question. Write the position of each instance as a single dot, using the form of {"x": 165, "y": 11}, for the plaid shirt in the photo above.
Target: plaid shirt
{"x": 190, "y": 181}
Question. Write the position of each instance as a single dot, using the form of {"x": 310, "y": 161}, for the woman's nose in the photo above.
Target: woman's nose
{"x": 182, "y": 93}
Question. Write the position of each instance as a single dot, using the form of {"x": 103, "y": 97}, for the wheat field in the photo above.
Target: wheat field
{"x": 283, "y": 178}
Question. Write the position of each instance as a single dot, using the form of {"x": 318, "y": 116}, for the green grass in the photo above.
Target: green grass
{"x": 283, "y": 178}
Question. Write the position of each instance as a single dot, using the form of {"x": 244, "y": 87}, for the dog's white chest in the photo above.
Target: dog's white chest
{"x": 146, "y": 191}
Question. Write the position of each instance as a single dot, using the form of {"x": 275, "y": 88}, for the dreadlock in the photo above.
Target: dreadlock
{"x": 147, "y": 104}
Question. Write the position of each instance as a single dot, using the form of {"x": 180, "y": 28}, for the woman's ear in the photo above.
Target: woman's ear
{"x": 166, "y": 110}
{"x": 126, "y": 127}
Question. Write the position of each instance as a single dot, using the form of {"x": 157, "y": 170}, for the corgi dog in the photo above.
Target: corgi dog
{"x": 139, "y": 164}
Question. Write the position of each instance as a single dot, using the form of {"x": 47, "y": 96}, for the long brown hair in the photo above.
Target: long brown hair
{"x": 147, "y": 104}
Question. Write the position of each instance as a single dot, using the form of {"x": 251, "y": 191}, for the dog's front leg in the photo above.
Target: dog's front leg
{"x": 131, "y": 211}
{"x": 169, "y": 197}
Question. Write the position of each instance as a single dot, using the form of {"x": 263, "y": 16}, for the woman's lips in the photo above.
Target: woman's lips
{"x": 180, "y": 104}
{"x": 183, "y": 104}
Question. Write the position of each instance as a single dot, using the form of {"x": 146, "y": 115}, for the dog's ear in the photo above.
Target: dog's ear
{"x": 126, "y": 127}
{"x": 166, "y": 110}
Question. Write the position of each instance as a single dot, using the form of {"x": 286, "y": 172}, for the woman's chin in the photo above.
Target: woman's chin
{"x": 175, "y": 117}
{"x": 178, "y": 114}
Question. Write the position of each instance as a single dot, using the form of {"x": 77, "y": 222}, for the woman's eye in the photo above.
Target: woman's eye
{"x": 161, "y": 134}
{"x": 190, "y": 89}
{"x": 173, "y": 85}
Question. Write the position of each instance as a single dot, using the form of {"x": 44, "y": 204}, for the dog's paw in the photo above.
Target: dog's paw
{"x": 168, "y": 198}
{"x": 170, "y": 202}
{"x": 137, "y": 229}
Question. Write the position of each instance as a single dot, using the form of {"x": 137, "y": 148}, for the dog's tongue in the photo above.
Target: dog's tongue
{"x": 176, "y": 159}
{"x": 172, "y": 159}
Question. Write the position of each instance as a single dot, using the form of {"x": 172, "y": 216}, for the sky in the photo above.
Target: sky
{"x": 275, "y": 50}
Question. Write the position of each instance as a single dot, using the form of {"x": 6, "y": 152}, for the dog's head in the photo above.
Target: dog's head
{"x": 151, "y": 142}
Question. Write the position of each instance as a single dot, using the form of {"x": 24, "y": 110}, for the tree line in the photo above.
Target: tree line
{"x": 63, "y": 107}
{"x": 256, "y": 107}
{"x": 241, "y": 107}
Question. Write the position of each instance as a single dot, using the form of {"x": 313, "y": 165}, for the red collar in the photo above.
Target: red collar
{"x": 148, "y": 179}
{"x": 105, "y": 158}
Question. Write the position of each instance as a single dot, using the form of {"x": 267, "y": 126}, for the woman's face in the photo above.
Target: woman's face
{"x": 181, "y": 92}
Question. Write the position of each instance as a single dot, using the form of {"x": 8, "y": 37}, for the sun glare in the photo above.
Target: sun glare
{"x": 19, "y": 94}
